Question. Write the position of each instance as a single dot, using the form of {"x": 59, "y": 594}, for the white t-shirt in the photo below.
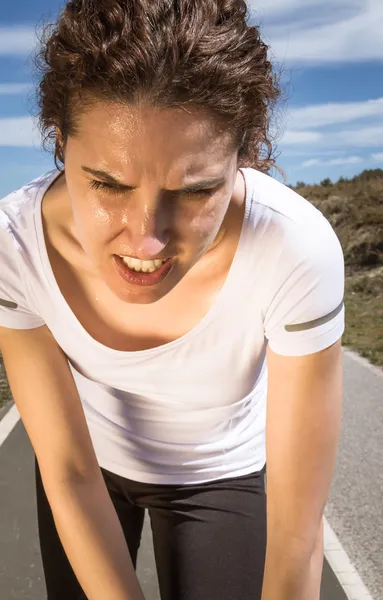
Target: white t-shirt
{"x": 192, "y": 410}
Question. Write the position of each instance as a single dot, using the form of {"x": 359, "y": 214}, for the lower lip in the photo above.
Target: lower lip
{"x": 144, "y": 279}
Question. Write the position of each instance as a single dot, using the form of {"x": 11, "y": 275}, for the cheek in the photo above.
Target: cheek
{"x": 93, "y": 223}
{"x": 208, "y": 220}
{"x": 100, "y": 216}
{"x": 94, "y": 213}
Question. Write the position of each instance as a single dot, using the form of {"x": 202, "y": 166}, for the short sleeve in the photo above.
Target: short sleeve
{"x": 305, "y": 308}
{"x": 15, "y": 312}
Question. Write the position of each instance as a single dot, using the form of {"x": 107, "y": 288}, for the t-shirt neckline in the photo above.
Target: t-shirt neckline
{"x": 66, "y": 309}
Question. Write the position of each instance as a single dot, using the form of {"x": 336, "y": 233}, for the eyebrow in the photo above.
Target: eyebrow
{"x": 195, "y": 187}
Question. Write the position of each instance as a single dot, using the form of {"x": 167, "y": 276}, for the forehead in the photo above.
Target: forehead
{"x": 188, "y": 138}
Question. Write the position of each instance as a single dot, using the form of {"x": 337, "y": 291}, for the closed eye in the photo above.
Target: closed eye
{"x": 195, "y": 193}
{"x": 102, "y": 185}
{"x": 116, "y": 189}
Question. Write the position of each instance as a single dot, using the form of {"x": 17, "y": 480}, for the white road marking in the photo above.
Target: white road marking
{"x": 340, "y": 563}
{"x": 8, "y": 423}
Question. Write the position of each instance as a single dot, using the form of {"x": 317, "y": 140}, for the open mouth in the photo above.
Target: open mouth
{"x": 143, "y": 272}
{"x": 143, "y": 266}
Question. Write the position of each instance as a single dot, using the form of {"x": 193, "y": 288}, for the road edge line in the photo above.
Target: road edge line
{"x": 342, "y": 567}
{"x": 8, "y": 423}
{"x": 375, "y": 369}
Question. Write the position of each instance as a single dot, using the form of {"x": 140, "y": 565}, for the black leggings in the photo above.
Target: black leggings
{"x": 209, "y": 539}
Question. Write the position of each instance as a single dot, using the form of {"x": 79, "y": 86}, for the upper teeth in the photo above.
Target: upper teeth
{"x": 146, "y": 266}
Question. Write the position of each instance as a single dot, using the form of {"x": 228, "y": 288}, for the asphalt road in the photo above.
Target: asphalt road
{"x": 355, "y": 506}
{"x": 354, "y": 509}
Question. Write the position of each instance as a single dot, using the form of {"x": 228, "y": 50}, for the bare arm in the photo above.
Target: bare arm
{"x": 47, "y": 399}
{"x": 303, "y": 423}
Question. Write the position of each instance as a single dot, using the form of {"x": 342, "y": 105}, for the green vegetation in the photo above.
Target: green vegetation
{"x": 354, "y": 208}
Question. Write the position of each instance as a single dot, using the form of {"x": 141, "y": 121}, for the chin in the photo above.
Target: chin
{"x": 135, "y": 294}
{"x": 140, "y": 298}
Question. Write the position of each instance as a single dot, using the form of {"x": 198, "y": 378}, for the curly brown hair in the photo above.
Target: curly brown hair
{"x": 168, "y": 53}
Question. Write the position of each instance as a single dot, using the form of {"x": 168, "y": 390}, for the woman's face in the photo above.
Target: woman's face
{"x": 148, "y": 185}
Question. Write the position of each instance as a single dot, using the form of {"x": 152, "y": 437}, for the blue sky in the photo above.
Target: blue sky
{"x": 331, "y": 52}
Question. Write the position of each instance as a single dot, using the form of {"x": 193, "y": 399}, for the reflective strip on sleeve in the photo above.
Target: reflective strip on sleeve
{"x": 316, "y": 322}
{"x": 8, "y": 304}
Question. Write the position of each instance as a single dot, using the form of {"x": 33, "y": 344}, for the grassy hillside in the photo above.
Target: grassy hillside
{"x": 355, "y": 209}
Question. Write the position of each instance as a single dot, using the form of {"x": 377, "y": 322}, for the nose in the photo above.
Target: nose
{"x": 149, "y": 246}
{"x": 148, "y": 233}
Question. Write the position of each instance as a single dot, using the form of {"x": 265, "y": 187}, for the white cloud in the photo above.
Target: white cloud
{"x": 312, "y": 163}
{"x": 301, "y": 137}
{"x": 305, "y": 126}
{"x": 297, "y": 152}
{"x": 322, "y": 115}
{"x": 17, "y": 40}
{"x": 14, "y": 88}
{"x": 312, "y": 33}
{"x": 362, "y": 137}
{"x": 20, "y": 131}
{"x": 336, "y": 162}
{"x": 274, "y": 8}
{"x": 378, "y": 157}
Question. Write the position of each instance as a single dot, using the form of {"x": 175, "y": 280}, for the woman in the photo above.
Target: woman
{"x": 159, "y": 291}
